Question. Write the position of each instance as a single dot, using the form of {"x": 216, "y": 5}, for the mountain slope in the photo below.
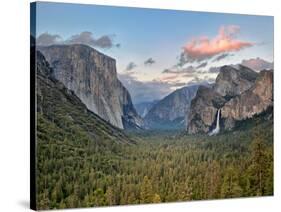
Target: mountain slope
{"x": 62, "y": 116}
{"x": 170, "y": 112}
{"x": 239, "y": 93}
{"x": 144, "y": 107}
{"x": 92, "y": 76}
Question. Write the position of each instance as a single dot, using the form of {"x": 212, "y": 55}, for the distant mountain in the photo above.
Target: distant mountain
{"x": 171, "y": 111}
{"x": 92, "y": 76}
{"x": 62, "y": 116}
{"x": 238, "y": 94}
{"x": 144, "y": 107}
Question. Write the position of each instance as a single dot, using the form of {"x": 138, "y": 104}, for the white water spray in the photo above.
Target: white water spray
{"x": 217, "y": 129}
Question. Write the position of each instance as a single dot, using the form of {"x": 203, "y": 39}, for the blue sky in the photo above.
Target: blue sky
{"x": 162, "y": 35}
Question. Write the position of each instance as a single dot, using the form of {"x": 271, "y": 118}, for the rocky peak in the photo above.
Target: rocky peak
{"x": 93, "y": 78}
{"x": 239, "y": 93}
{"x": 253, "y": 101}
{"x": 234, "y": 81}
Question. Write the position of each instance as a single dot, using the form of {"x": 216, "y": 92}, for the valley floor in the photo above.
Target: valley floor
{"x": 160, "y": 167}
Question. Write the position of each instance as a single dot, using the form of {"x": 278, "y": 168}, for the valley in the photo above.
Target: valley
{"x": 159, "y": 167}
{"x": 134, "y": 105}
{"x": 85, "y": 159}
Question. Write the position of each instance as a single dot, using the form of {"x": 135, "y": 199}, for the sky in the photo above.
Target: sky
{"x": 158, "y": 51}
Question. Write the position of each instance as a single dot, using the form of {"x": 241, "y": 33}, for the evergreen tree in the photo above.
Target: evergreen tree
{"x": 259, "y": 163}
{"x": 230, "y": 187}
{"x": 99, "y": 197}
{"x": 146, "y": 194}
{"x": 110, "y": 196}
{"x": 156, "y": 198}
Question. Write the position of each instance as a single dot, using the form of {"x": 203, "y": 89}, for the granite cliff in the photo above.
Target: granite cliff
{"x": 92, "y": 76}
{"x": 253, "y": 101}
{"x": 62, "y": 116}
{"x": 239, "y": 92}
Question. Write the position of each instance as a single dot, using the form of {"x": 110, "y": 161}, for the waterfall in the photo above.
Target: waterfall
{"x": 217, "y": 129}
{"x": 144, "y": 112}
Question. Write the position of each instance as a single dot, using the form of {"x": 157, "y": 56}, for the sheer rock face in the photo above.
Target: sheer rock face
{"x": 240, "y": 92}
{"x": 172, "y": 109}
{"x": 93, "y": 78}
{"x": 203, "y": 110}
{"x": 231, "y": 81}
{"x": 253, "y": 101}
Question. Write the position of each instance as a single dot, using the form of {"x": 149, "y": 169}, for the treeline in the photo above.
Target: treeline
{"x": 157, "y": 169}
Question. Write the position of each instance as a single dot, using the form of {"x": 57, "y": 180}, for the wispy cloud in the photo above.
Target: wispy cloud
{"x": 145, "y": 91}
{"x": 222, "y": 56}
{"x": 188, "y": 69}
{"x": 187, "y": 75}
{"x": 87, "y": 38}
{"x": 149, "y": 61}
{"x": 130, "y": 66}
{"x": 202, "y": 65}
{"x": 46, "y": 39}
{"x": 257, "y": 64}
{"x": 168, "y": 78}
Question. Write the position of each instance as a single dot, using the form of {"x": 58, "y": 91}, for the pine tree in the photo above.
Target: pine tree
{"x": 259, "y": 163}
{"x": 146, "y": 194}
{"x": 156, "y": 198}
{"x": 230, "y": 187}
{"x": 184, "y": 191}
{"x": 44, "y": 202}
{"x": 110, "y": 196}
{"x": 99, "y": 197}
{"x": 62, "y": 205}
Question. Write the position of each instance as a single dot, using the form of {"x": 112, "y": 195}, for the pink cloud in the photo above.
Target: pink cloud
{"x": 201, "y": 48}
{"x": 168, "y": 78}
{"x": 257, "y": 64}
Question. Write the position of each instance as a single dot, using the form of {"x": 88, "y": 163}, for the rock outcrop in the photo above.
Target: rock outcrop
{"x": 253, "y": 101}
{"x": 93, "y": 78}
{"x": 171, "y": 111}
{"x": 239, "y": 92}
{"x": 231, "y": 81}
{"x": 203, "y": 110}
